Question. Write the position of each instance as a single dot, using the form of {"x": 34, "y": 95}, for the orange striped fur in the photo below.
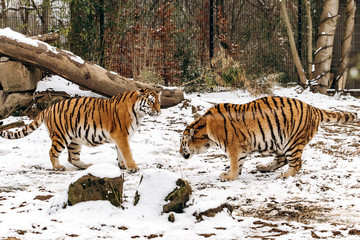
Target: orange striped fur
{"x": 271, "y": 125}
{"x": 93, "y": 121}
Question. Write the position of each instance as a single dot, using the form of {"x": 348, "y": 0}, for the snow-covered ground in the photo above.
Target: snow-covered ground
{"x": 321, "y": 201}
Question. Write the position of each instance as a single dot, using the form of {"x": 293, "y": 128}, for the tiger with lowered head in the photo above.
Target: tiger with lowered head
{"x": 93, "y": 121}
{"x": 271, "y": 125}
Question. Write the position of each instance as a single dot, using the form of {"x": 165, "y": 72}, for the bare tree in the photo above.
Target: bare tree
{"x": 43, "y": 13}
{"x": 324, "y": 46}
{"x": 294, "y": 51}
{"x": 309, "y": 35}
{"x": 3, "y": 12}
{"x": 346, "y": 45}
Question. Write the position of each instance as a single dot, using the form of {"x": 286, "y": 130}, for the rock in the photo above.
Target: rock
{"x": 2, "y": 97}
{"x": 13, "y": 102}
{"x": 90, "y": 188}
{"x": 161, "y": 191}
{"x": 171, "y": 217}
{"x": 171, "y": 97}
{"x": 178, "y": 198}
{"x": 154, "y": 186}
{"x": 16, "y": 77}
{"x": 4, "y": 59}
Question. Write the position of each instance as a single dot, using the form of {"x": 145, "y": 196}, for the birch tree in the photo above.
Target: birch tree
{"x": 324, "y": 46}
{"x": 309, "y": 35}
{"x": 319, "y": 68}
{"x": 346, "y": 45}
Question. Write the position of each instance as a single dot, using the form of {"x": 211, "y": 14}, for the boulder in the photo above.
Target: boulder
{"x": 13, "y": 102}
{"x": 161, "y": 191}
{"x": 16, "y": 77}
{"x": 2, "y": 97}
{"x": 171, "y": 97}
{"x": 90, "y": 188}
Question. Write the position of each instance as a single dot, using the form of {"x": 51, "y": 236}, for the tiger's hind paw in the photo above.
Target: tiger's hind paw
{"x": 80, "y": 164}
{"x": 262, "y": 168}
{"x": 282, "y": 177}
{"x": 85, "y": 166}
{"x": 287, "y": 174}
{"x": 59, "y": 168}
{"x": 227, "y": 176}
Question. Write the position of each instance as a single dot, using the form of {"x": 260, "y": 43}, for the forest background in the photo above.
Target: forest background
{"x": 196, "y": 43}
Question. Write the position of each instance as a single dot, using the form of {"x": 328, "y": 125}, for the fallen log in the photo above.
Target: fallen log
{"x": 11, "y": 125}
{"x": 73, "y": 68}
{"x": 48, "y": 37}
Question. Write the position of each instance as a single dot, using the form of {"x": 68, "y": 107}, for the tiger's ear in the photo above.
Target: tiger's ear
{"x": 141, "y": 91}
{"x": 192, "y": 132}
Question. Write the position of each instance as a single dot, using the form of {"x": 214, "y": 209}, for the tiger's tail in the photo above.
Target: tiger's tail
{"x": 26, "y": 130}
{"x": 330, "y": 116}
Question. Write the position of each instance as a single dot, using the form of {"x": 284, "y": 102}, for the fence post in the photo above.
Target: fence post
{"x": 299, "y": 43}
{"x": 211, "y": 29}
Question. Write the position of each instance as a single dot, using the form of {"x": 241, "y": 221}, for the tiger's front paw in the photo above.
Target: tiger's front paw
{"x": 133, "y": 169}
{"x": 122, "y": 165}
{"x": 228, "y": 176}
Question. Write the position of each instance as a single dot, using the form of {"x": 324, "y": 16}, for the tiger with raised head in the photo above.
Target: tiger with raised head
{"x": 93, "y": 121}
{"x": 270, "y": 125}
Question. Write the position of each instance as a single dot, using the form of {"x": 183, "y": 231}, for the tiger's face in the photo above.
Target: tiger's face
{"x": 149, "y": 102}
{"x": 193, "y": 142}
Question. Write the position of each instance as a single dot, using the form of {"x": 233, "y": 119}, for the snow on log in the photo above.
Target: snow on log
{"x": 73, "y": 68}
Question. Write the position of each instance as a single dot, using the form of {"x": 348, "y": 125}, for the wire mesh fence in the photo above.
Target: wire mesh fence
{"x": 174, "y": 40}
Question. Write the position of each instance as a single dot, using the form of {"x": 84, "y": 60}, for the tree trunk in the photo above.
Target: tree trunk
{"x": 3, "y": 13}
{"x": 324, "y": 46}
{"x": 346, "y": 45}
{"x": 45, "y": 10}
{"x": 294, "y": 51}
{"x": 309, "y": 38}
{"x": 74, "y": 69}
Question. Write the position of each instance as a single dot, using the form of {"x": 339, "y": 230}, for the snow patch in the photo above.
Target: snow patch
{"x": 77, "y": 59}
{"x": 154, "y": 187}
{"x": 326, "y": 187}
{"x": 59, "y": 84}
{"x": 101, "y": 170}
{"x": 7, "y": 32}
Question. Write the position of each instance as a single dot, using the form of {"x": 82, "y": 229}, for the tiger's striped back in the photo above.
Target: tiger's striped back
{"x": 270, "y": 125}
{"x": 93, "y": 121}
